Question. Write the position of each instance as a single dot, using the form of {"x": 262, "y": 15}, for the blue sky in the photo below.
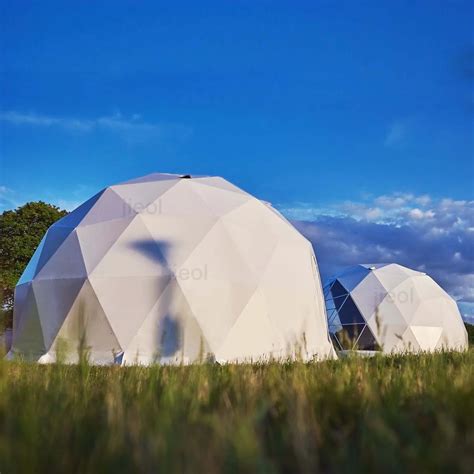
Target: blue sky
{"x": 326, "y": 109}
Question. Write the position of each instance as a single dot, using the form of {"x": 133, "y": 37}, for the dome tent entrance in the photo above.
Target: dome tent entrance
{"x": 167, "y": 268}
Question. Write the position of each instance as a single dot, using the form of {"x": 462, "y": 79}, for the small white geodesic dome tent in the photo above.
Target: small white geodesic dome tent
{"x": 391, "y": 308}
{"x": 169, "y": 268}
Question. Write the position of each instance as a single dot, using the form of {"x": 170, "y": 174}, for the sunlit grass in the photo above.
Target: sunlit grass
{"x": 383, "y": 414}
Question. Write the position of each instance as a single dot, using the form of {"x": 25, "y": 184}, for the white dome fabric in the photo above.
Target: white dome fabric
{"x": 171, "y": 269}
{"x": 391, "y": 308}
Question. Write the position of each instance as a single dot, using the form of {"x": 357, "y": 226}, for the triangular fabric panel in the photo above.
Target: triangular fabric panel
{"x": 219, "y": 183}
{"x": 218, "y": 200}
{"x": 252, "y": 326}
{"x": 87, "y": 327}
{"x": 74, "y": 218}
{"x": 427, "y": 336}
{"x": 27, "y": 334}
{"x": 295, "y": 295}
{"x": 178, "y": 236}
{"x": 182, "y": 200}
{"x": 405, "y": 298}
{"x": 406, "y": 343}
{"x": 140, "y": 197}
{"x": 277, "y": 225}
{"x": 387, "y": 314}
{"x": 32, "y": 268}
{"x": 390, "y": 276}
{"x": 255, "y": 249}
{"x": 368, "y": 294}
{"x": 409, "y": 272}
{"x": 392, "y": 336}
{"x": 67, "y": 261}
{"x": 429, "y": 312}
{"x": 54, "y": 299}
{"x": 228, "y": 300}
{"x": 108, "y": 207}
{"x": 134, "y": 253}
{"x": 20, "y": 296}
{"x": 351, "y": 278}
{"x": 55, "y": 236}
{"x": 127, "y": 301}
{"x": 221, "y": 256}
{"x": 95, "y": 240}
{"x": 169, "y": 332}
{"x": 224, "y": 279}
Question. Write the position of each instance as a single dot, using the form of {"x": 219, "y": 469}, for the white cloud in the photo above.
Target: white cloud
{"x": 361, "y": 210}
{"x": 117, "y": 123}
{"x": 11, "y": 199}
{"x": 393, "y": 208}
{"x": 419, "y": 214}
{"x": 396, "y": 133}
{"x": 7, "y": 198}
{"x": 423, "y": 200}
{"x": 432, "y": 235}
{"x": 18, "y": 118}
{"x": 393, "y": 201}
{"x": 304, "y": 211}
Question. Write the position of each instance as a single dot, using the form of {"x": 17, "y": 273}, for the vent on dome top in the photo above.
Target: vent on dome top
{"x": 185, "y": 176}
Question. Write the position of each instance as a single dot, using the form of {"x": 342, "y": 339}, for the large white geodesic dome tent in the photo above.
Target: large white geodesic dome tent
{"x": 391, "y": 308}
{"x": 168, "y": 268}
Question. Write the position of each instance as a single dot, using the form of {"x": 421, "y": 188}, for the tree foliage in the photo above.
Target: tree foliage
{"x": 470, "y": 333}
{"x": 21, "y": 231}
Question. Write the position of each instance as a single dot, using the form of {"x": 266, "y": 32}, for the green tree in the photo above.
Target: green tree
{"x": 470, "y": 333}
{"x": 21, "y": 230}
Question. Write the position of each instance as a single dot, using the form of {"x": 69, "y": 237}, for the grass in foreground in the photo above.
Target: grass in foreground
{"x": 386, "y": 414}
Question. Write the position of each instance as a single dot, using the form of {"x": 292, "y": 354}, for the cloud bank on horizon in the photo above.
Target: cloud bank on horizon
{"x": 431, "y": 235}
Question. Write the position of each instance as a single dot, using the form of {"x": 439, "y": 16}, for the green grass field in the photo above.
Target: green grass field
{"x": 385, "y": 414}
